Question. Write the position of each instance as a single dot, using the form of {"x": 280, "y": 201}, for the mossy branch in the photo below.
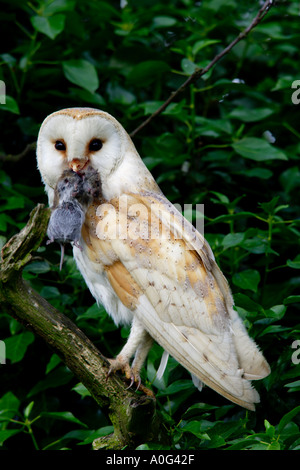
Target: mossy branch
{"x": 133, "y": 415}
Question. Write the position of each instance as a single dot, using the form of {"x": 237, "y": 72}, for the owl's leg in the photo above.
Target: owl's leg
{"x": 138, "y": 361}
{"x": 138, "y": 344}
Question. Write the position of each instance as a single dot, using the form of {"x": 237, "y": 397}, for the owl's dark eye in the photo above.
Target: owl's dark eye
{"x": 59, "y": 145}
{"x": 95, "y": 145}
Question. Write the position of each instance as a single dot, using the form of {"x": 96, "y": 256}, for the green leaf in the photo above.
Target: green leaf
{"x": 95, "y": 311}
{"x": 16, "y": 346}
{"x": 56, "y": 6}
{"x": 270, "y": 430}
{"x": 87, "y": 96}
{"x": 50, "y": 26}
{"x": 82, "y": 435}
{"x": 13, "y": 202}
{"x": 284, "y": 82}
{"x": 164, "y": 21}
{"x": 251, "y": 115}
{"x": 104, "y": 431}
{"x": 54, "y": 361}
{"x": 153, "y": 446}
{"x": 292, "y": 299}
{"x": 199, "y": 45}
{"x": 82, "y": 73}
{"x": 9, "y": 404}
{"x": 147, "y": 72}
{"x": 199, "y": 407}
{"x": 222, "y": 197}
{"x": 56, "y": 378}
{"x": 62, "y": 415}
{"x": 290, "y": 179}
{"x": 273, "y": 329}
{"x": 38, "y": 267}
{"x": 242, "y": 444}
{"x": 176, "y": 109}
{"x": 247, "y": 279}
{"x": 28, "y": 409}
{"x": 277, "y": 312}
{"x": 262, "y": 173}
{"x": 7, "y": 103}
{"x": 258, "y": 150}
{"x": 118, "y": 94}
{"x": 232, "y": 239}
{"x": 295, "y": 263}
{"x": 177, "y": 386}
{"x": 230, "y": 217}
{"x": 293, "y": 386}
{"x": 151, "y": 106}
{"x": 6, "y": 434}
{"x": 49, "y": 292}
{"x": 287, "y": 418}
{"x": 246, "y": 303}
{"x": 271, "y": 207}
{"x": 188, "y": 66}
{"x": 81, "y": 390}
{"x": 9, "y": 59}
{"x": 195, "y": 428}
{"x": 271, "y": 30}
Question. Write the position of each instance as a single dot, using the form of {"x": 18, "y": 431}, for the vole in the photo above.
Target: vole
{"x": 72, "y": 195}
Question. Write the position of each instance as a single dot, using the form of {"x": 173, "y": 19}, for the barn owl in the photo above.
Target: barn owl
{"x": 147, "y": 265}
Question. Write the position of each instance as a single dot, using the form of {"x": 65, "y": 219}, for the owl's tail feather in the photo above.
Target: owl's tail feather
{"x": 251, "y": 359}
{"x": 162, "y": 365}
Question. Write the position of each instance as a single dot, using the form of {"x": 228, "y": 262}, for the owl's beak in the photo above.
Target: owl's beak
{"x": 78, "y": 165}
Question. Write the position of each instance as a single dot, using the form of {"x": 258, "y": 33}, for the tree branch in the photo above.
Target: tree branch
{"x": 133, "y": 416}
{"x": 199, "y": 72}
{"x": 19, "y": 156}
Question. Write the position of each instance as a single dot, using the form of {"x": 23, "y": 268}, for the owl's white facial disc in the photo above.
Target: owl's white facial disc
{"x": 119, "y": 166}
{"x": 76, "y": 128}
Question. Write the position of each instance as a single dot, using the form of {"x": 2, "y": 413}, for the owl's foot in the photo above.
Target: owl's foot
{"x": 131, "y": 374}
{"x": 119, "y": 364}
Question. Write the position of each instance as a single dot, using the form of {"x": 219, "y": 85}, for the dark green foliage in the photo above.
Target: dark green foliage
{"x": 230, "y": 142}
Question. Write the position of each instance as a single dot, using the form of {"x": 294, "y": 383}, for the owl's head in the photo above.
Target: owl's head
{"x": 80, "y": 137}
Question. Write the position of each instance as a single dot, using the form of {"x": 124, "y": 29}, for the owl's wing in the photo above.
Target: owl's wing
{"x": 163, "y": 270}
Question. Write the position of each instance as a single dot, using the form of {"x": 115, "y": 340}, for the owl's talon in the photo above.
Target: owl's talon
{"x": 139, "y": 385}
{"x": 138, "y": 381}
{"x": 131, "y": 383}
{"x": 119, "y": 365}
{"x": 134, "y": 377}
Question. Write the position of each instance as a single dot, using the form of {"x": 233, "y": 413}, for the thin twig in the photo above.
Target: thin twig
{"x": 19, "y": 156}
{"x": 199, "y": 72}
